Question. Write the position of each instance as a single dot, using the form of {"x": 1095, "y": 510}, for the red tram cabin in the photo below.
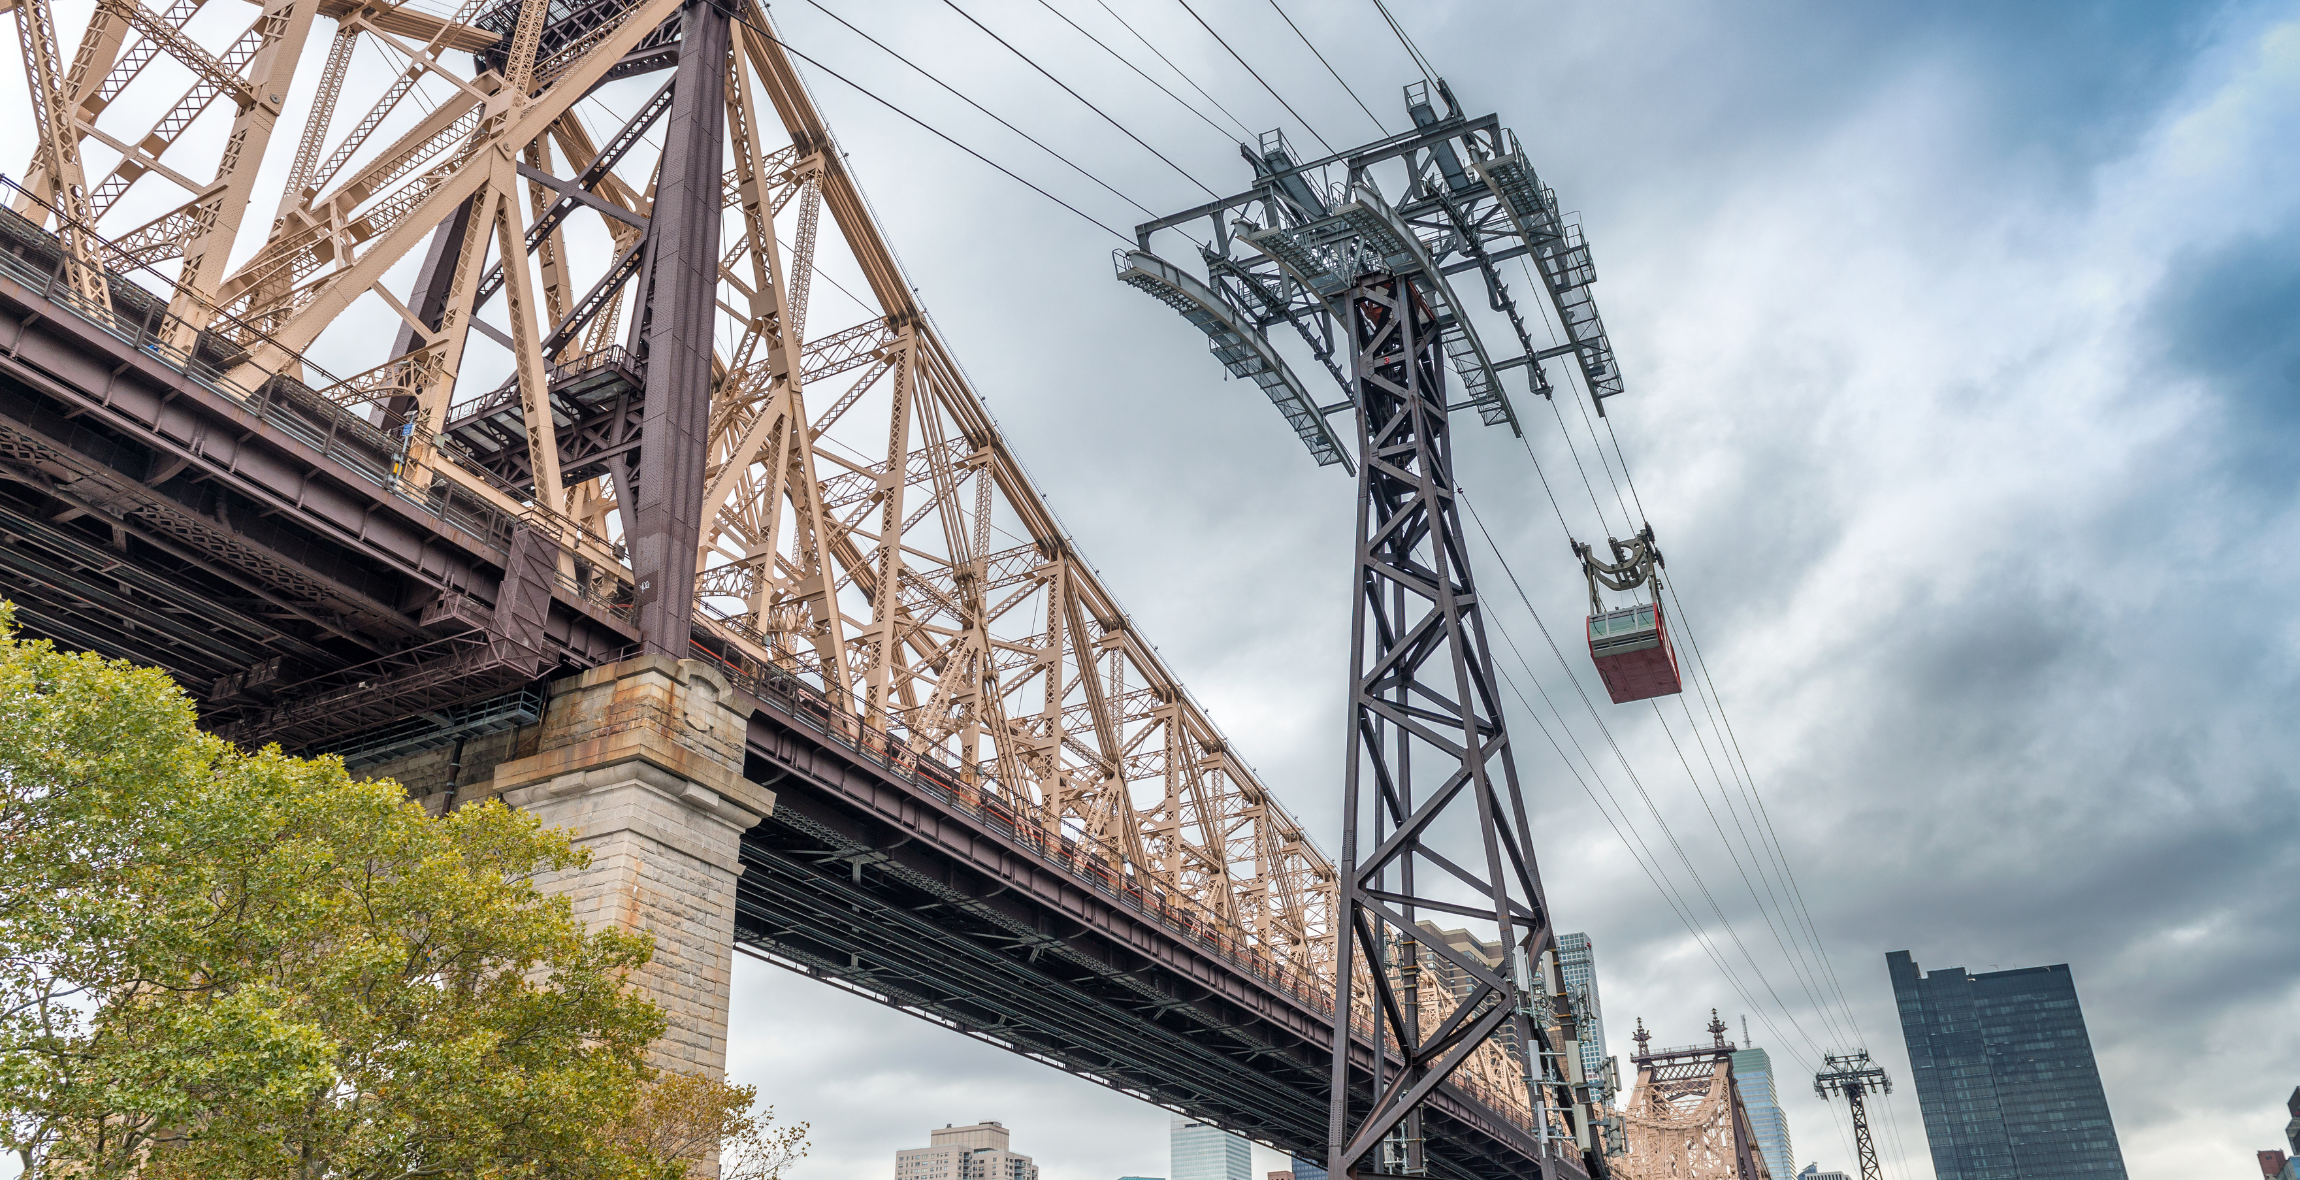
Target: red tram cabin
{"x": 1631, "y": 649}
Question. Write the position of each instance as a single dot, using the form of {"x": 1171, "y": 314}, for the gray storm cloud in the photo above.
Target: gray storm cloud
{"x": 1961, "y": 394}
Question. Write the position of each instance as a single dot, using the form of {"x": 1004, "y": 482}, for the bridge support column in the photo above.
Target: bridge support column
{"x": 642, "y": 762}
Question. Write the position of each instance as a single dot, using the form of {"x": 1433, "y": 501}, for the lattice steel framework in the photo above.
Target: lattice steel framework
{"x": 1854, "y": 1076}
{"x": 839, "y": 506}
{"x": 1684, "y": 1120}
{"x": 1424, "y": 703}
{"x": 1365, "y": 281}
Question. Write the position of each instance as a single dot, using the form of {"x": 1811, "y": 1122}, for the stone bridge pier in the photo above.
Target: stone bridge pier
{"x": 642, "y": 763}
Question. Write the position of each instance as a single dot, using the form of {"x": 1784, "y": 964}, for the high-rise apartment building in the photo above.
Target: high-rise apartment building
{"x": 1306, "y": 1170}
{"x": 975, "y": 1152}
{"x": 2005, "y": 1074}
{"x": 1753, "y": 1073}
{"x": 1456, "y": 981}
{"x": 1577, "y": 963}
{"x": 1204, "y": 1152}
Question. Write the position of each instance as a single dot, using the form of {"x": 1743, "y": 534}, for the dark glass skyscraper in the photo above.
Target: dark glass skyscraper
{"x": 2005, "y": 1075}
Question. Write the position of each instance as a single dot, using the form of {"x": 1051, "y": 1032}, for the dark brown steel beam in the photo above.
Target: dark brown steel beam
{"x": 677, "y": 314}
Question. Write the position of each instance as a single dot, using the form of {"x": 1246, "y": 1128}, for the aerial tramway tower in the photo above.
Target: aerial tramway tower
{"x": 1364, "y": 258}
{"x": 1855, "y": 1077}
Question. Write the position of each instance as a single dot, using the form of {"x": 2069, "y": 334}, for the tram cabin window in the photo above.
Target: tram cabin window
{"x": 1631, "y": 649}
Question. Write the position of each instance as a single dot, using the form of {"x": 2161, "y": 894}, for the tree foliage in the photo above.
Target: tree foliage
{"x": 218, "y": 963}
{"x": 678, "y": 1120}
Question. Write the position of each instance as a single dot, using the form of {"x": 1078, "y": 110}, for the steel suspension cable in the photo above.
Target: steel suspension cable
{"x": 1735, "y": 857}
{"x": 1329, "y": 68}
{"x": 1257, "y": 76}
{"x": 1803, "y": 918}
{"x": 1654, "y": 809}
{"x": 929, "y": 76}
{"x": 1122, "y": 60}
{"x": 1796, "y": 889}
{"x": 1122, "y": 128}
{"x": 866, "y": 92}
{"x": 1794, "y": 946}
{"x": 1429, "y": 72}
{"x": 1192, "y": 83}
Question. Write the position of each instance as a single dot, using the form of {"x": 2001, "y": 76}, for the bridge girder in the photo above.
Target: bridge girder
{"x": 863, "y": 524}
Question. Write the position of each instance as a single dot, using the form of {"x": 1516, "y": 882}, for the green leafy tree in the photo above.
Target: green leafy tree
{"x": 217, "y": 963}
{"x": 679, "y": 1121}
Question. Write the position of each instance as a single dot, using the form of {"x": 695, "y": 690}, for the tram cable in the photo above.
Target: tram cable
{"x": 1123, "y": 129}
{"x": 1122, "y": 60}
{"x": 1799, "y": 920}
{"x": 1257, "y": 76}
{"x": 1346, "y": 87}
{"x": 1636, "y": 781}
{"x": 1794, "y": 946}
{"x": 866, "y": 92}
{"x": 1429, "y": 72}
{"x": 929, "y": 76}
{"x": 1192, "y": 83}
{"x": 1818, "y": 1002}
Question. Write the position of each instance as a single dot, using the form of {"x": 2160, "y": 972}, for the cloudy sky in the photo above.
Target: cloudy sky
{"x": 1961, "y": 393}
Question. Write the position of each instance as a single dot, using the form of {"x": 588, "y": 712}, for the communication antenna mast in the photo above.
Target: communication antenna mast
{"x": 1852, "y": 1075}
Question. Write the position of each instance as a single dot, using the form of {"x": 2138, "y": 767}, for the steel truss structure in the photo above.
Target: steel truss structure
{"x": 1685, "y": 1119}
{"x": 1424, "y": 699}
{"x": 1366, "y": 284}
{"x": 1855, "y": 1077}
{"x": 698, "y": 468}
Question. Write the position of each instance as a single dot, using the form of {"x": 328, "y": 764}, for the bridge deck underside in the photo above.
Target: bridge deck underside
{"x": 862, "y": 881}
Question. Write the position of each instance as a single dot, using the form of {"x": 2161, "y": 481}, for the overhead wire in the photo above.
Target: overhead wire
{"x": 1816, "y": 972}
{"x": 1218, "y": 38}
{"x": 1743, "y": 777}
{"x": 1429, "y": 72}
{"x": 929, "y": 76}
{"x": 866, "y": 92}
{"x": 1220, "y": 130}
{"x": 1123, "y": 129}
{"x": 1178, "y": 72}
{"x": 1329, "y": 67}
{"x": 1800, "y": 927}
{"x": 1635, "y": 780}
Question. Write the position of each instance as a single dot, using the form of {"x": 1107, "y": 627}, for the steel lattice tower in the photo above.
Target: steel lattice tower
{"x": 1422, "y": 692}
{"x": 1852, "y": 1075}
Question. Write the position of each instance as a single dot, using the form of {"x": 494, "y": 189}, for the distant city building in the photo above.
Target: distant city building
{"x": 1814, "y": 1172}
{"x": 1456, "y": 981}
{"x": 1577, "y": 962}
{"x": 1203, "y": 1152}
{"x": 2005, "y": 1074}
{"x": 1753, "y": 1073}
{"x": 2277, "y": 1165}
{"x": 1305, "y": 1170}
{"x": 975, "y": 1152}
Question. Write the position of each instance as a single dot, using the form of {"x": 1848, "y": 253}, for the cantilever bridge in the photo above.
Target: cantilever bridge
{"x": 996, "y": 807}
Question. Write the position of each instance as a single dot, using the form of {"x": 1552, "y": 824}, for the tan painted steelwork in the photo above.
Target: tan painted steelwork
{"x": 865, "y": 525}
